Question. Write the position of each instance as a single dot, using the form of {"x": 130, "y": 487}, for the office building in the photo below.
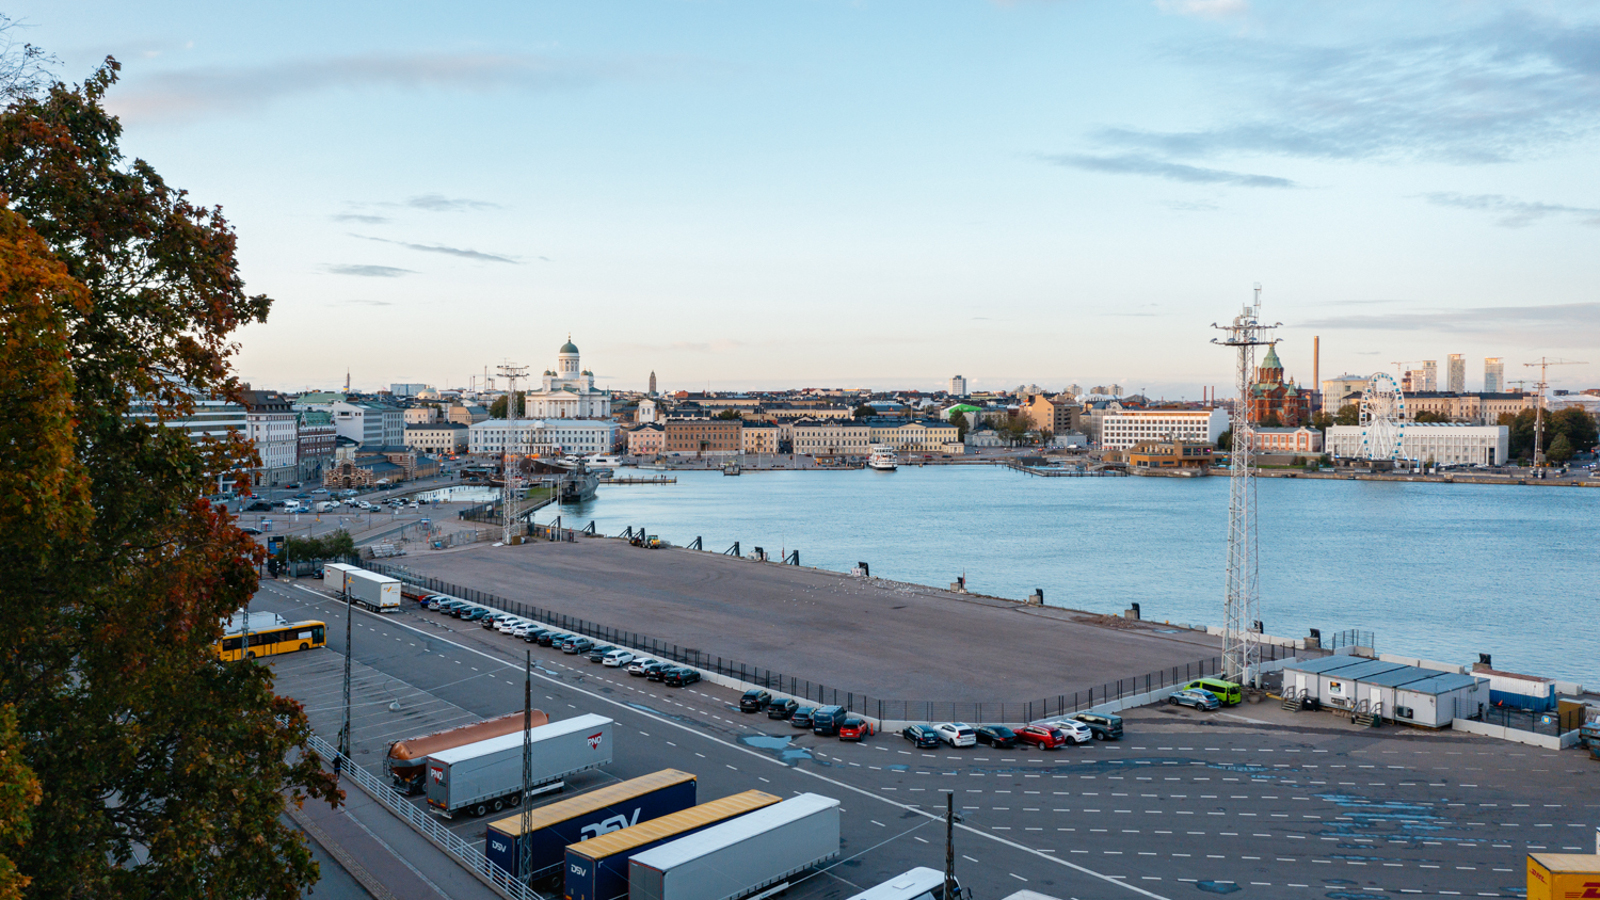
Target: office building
{"x": 1125, "y": 428}
{"x": 275, "y": 433}
{"x": 958, "y": 386}
{"x": 541, "y": 437}
{"x": 1494, "y": 375}
{"x": 1456, "y": 379}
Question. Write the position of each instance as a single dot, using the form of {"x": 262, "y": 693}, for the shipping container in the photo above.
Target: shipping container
{"x": 405, "y": 762}
{"x": 598, "y": 869}
{"x": 487, "y": 775}
{"x": 921, "y": 883}
{"x": 1561, "y": 876}
{"x": 379, "y": 593}
{"x": 741, "y": 856}
{"x": 601, "y": 811}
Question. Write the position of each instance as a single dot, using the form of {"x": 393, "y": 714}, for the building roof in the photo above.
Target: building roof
{"x": 1325, "y": 664}
{"x": 1271, "y": 360}
{"x": 435, "y": 426}
{"x": 1385, "y": 674}
{"x": 569, "y": 346}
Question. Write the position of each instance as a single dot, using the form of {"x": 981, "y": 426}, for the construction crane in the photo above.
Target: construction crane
{"x": 1544, "y": 363}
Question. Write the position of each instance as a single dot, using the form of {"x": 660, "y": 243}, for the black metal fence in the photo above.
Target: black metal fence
{"x": 817, "y": 692}
{"x": 1350, "y": 637}
{"x": 1527, "y": 720}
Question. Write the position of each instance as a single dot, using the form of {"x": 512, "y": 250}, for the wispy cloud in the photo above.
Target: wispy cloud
{"x": 1192, "y": 205}
{"x": 365, "y": 271}
{"x": 1576, "y": 323}
{"x": 440, "y": 248}
{"x": 360, "y": 218}
{"x": 1510, "y": 212}
{"x": 186, "y": 94}
{"x": 441, "y": 203}
{"x": 1139, "y": 164}
{"x": 1205, "y": 9}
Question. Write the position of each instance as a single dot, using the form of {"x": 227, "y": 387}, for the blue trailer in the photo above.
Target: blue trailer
{"x": 611, "y": 808}
{"x": 598, "y": 869}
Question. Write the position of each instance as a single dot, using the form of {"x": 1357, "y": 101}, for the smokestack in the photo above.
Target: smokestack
{"x": 1316, "y": 363}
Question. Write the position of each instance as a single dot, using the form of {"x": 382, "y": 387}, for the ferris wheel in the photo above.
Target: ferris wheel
{"x": 1383, "y": 413}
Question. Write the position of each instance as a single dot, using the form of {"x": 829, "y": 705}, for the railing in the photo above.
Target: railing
{"x": 817, "y": 692}
{"x": 1350, "y": 637}
{"x": 426, "y": 825}
{"x": 1527, "y": 720}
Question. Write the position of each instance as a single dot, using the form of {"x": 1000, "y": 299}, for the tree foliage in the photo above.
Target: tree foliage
{"x": 729, "y": 415}
{"x": 497, "y": 409}
{"x": 336, "y": 545}
{"x": 1573, "y": 423}
{"x": 1348, "y": 414}
{"x": 163, "y": 771}
{"x": 863, "y": 411}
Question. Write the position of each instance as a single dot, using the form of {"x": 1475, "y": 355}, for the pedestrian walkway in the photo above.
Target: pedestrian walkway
{"x": 383, "y": 854}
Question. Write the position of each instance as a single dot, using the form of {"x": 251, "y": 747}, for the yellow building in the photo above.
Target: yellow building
{"x": 1171, "y": 455}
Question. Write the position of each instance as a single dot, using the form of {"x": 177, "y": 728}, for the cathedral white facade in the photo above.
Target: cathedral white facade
{"x": 568, "y": 392}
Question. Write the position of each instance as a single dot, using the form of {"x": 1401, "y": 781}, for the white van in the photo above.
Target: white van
{"x": 292, "y": 506}
{"x": 323, "y": 506}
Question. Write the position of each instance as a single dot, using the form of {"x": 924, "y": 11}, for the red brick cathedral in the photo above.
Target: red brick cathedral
{"x": 1272, "y": 396}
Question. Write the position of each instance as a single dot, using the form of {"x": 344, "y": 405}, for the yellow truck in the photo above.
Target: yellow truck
{"x": 1563, "y": 876}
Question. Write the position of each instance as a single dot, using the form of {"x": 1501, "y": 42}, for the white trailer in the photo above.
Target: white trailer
{"x": 379, "y": 593}
{"x": 921, "y": 883}
{"x": 333, "y": 576}
{"x": 487, "y": 775}
{"x": 741, "y": 856}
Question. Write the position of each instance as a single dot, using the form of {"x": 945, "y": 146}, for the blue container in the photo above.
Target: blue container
{"x": 1522, "y": 701}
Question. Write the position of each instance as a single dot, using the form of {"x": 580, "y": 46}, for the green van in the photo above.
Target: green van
{"x": 1227, "y": 692}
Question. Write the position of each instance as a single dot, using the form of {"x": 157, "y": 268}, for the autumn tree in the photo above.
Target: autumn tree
{"x": 163, "y": 771}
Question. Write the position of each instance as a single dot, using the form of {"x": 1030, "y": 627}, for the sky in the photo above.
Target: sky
{"x": 875, "y": 194}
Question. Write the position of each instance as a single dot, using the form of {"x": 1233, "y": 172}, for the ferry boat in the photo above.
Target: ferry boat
{"x": 883, "y": 459}
{"x": 602, "y": 461}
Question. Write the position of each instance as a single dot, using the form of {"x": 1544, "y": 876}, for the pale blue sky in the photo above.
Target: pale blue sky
{"x": 875, "y": 193}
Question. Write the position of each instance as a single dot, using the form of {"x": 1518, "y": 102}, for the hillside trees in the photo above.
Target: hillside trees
{"x": 162, "y": 771}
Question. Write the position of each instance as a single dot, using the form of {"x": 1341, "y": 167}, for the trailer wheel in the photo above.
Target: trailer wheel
{"x": 499, "y": 804}
{"x": 515, "y": 801}
{"x": 480, "y": 809}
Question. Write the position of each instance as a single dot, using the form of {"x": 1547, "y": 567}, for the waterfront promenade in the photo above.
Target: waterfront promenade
{"x": 885, "y": 639}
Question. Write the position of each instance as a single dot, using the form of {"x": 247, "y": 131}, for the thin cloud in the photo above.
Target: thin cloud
{"x": 440, "y": 248}
{"x": 183, "y": 95}
{"x": 1518, "y": 86}
{"x": 360, "y": 218}
{"x": 1575, "y": 322}
{"x": 1191, "y": 205}
{"x": 441, "y": 203}
{"x": 1204, "y": 9}
{"x": 1510, "y": 212}
{"x": 365, "y": 271}
{"x": 1138, "y": 164}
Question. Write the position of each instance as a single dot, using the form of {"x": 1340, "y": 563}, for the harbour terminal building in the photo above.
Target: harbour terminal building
{"x": 1121, "y": 430}
{"x": 1443, "y": 443}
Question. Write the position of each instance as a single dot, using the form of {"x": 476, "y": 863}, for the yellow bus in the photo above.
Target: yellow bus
{"x": 275, "y": 639}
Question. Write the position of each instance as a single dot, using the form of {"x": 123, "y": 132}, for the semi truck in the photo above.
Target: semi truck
{"x": 597, "y": 869}
{"x": 333, "y": 576}
{"x": 920, "y": 883}
{"x": 611, "y": 808}
{"x": 1557, "y": 876}
{"x": 487, "y": 775}
{"x": 406, "y": 760}
{"x": 379, "y": 593}
{"x": 742, "y": 856}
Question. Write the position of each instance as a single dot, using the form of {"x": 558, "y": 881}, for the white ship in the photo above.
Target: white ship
{"x": 883, "y": 459}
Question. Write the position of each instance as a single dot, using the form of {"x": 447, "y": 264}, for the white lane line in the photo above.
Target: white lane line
{"x": 978, "y": 832}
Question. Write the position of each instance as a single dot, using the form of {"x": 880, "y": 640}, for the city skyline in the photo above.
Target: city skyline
{"x": 876, "y": 195}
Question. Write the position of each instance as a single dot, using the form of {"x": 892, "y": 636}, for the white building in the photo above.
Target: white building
{"x": 368, "y": 424}
{"x": 1123, "y": 429}
{"x": 274, "y": 429}
{"x": 568, "y": 392}
{"x": 1337, "y": 392}
{"x": 1444, "y": 443}
{"x": 958, "y": 386}
{"x": 544, "y": 437}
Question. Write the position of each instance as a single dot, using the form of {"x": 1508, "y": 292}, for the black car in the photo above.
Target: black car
{"x": 574, "y": 645}
{"x": 921, "y": 735}
{"x": 754, "y": 700}
{"x": 827, "y": 719}
{"x": 598, "y": 653}
{"x": 801, "y": 718}
{"x": 682, "y": 676}
{"x": 997, "y": 736}
{"x": 250, "y": 530}
{"x": 657, "y": 671}
{"x": 782, "y": 709}
{"x": 1106, "y": 727}
{"x": 259, "y": 506}
{"x": 534, "y": 634}
{"x": 552, "y": 639}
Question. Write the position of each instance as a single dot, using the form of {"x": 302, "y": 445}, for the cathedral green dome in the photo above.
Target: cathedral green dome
{"x": 569, "y": 346}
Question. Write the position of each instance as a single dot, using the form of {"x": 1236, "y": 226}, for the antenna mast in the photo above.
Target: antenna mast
{"x": 1241, "y": 621}
{"x": 511, "y": 459}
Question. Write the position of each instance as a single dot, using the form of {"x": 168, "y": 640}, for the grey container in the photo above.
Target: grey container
{"x": 741, "y": 856}
{"x": 487, "y": 775}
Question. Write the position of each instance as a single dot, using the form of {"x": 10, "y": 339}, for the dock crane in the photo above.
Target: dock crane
{"x": 1544, "y": 363}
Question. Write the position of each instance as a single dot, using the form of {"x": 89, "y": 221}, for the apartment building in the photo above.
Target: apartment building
{"x": 702, "y": 437}
{"x": 1057, "y": 415}
{"x": 437, "y": 438}
{"x": 838, "y": 437}
{"x": 274, "y": 432}
{"x": 1122, "y": 429}
{"x": 759, "y": 437}
{"x": 647, "y": 440}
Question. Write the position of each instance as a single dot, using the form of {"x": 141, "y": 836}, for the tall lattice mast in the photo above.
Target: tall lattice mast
{"x": 511, "y": 459}
{"x": 1240, "y": 650}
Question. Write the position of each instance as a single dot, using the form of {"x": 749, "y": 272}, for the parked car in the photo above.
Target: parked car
{"x": 640, "y": 664}
{"x": 855, "y": 728}
{"x": 617, "y": 659}
{"x": 474, "y": 614}
{"x": 1076, "y": 731}
{"x": 782, "y": 708}
{"x": 997, "y": 736}
{"x": 957, "y": 734}
{"x": 532, "y": 635}
{"x": 682, "y": 676}
{"x": 521, "y": 629}
{"x": 576, "y": 644}
{"x": 801, "y": 717}
{"x": 827, "y": 719}
{"x": 921, "y": 736}
{"x": 509, "y": 624}
{"x": 553, "y": 639}
{"x": 598, "y": 652}
{"x": 1194, "y": 697}
{"x": 248, "y": 530}
{"x": 1228, "y": 693}
{"x": 319, "y": 490}
{"x": 259, "y": 506}
{"x": 754, "y": 700}
{"x": 1105, "y": 726}
{"x": 492, "y": 619}
{"x": 1042, "y": 736}
{"x": 657, "y": 670}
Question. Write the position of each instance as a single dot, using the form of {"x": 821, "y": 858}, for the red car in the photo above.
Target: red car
{"x": 1043, "y": 737}
{"x": 855, "y": 728}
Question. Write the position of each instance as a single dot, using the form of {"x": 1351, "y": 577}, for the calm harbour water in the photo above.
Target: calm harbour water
{"x": 1435, "y": 570}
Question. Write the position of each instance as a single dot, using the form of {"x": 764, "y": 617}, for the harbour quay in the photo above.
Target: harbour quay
{"x": 858, "y": 634}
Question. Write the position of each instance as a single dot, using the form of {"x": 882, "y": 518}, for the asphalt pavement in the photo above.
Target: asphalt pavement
{"x": 1230, "y": 802}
